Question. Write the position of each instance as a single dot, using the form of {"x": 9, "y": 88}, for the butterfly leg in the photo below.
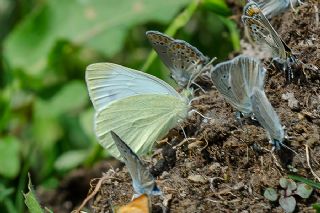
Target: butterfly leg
{"x": 238, "y": 116}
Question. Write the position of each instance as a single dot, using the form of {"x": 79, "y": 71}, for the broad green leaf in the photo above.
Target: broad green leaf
{"x": 288, "y": 203}
{"x": 9, "y": 157}
{"x": 31, "y": 201}
{"x": 304, "y": 190}
{"x": 101, "y": 25}
{"x": 70, "y": 160}
{"x": 86, "y": 121}
{"x": 5, "y": 192}
{"x": 270, "y": 194}
{"x": 69, "y": 99}
{"x": 46, "y": 131}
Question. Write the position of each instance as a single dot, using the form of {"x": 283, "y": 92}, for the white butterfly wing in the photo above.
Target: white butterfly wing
{"x": 139, "y": 120}
{"x": 109, "y": 82}
{"x": 143, "y": 181}
{"x": 266, "y": 115}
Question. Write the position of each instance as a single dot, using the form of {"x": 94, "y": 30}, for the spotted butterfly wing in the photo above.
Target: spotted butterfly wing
{"x": 184, "y": 61}
{"x": 262, "y": 32}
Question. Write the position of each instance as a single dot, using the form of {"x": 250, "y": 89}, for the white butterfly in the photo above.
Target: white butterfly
{"x": 267, "y": 117}
{"x": 264, "y": 34}
{"x": 139, "y": 107}
{"x": 142, "y": 180}
{"x": 235, "y": 80}
{"x": 184, "y": 61}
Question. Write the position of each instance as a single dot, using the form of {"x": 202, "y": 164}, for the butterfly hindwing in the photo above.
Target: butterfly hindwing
{"x": 266, "y": 115}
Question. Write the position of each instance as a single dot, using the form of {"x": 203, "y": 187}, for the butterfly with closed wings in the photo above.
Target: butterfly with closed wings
{"x": 142, "y": 180}
{"x": 139, "y": 107}
{"x": 184, "y": 61}
{"x": 264, "y": 34}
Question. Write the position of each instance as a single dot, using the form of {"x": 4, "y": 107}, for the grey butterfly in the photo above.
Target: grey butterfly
{"x": 184, "y": 61}
{"x": 142, "y": 180}
{"x": 264, "y": 34}
{"x": 271, "y": 8}
{"x": 267, "y": 117}
{"x": 235, "y": 80}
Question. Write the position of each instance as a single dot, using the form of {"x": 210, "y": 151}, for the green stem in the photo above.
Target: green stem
{"x": 181, "y": 20}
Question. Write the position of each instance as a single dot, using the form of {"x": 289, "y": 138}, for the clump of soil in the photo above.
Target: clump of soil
{"x": 225, "y": 166}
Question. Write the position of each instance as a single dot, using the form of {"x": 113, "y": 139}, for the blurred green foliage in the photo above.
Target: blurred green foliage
{"x": 46, "y": 122}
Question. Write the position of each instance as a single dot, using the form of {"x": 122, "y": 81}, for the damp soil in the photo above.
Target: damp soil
{"x": 225, "y": 166}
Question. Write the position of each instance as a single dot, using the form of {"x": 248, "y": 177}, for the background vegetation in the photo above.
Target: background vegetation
{"x": 45, "y": 113}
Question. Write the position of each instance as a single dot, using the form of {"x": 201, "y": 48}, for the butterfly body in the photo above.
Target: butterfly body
{"x": 184, "y": 61}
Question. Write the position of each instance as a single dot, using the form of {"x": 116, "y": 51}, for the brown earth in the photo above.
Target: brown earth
{"x": 226, "y": 167}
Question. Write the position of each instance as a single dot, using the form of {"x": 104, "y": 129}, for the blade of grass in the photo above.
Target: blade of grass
{"x": 180, "y": 21}
{"x": 305, "y": 180}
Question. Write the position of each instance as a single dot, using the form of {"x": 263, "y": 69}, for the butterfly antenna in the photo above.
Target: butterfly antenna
{"x": 199, "y": 87}
{"x": 205, "y": 117}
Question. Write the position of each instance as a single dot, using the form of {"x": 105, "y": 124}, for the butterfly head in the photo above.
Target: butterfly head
{"x": 251, "y": 10}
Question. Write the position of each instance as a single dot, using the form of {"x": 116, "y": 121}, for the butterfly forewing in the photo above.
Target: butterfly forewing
{"x": 108, "y": 82}
{"x": 160, "y": 43}
{"x": 266, "y": 115}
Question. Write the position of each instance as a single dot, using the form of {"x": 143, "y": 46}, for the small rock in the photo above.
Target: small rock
{"x": 214, "y": 167}
{"x": 292, "y": 101}
{"x": 197, "y": 179}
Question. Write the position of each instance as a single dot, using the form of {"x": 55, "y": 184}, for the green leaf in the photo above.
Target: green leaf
{"x": 304, "y": 190}
{"x": 5, "y": 192}
{"x": 305, "y": 180}
{"x": 316, "y": 206}
{"x": 283, "y": 182}
{"x": 31, "y": 201}
{"x": 86, "y": 121}
{"x": 288, "y": 203}
{"x": 100, "y": 25}
{"x": 9, "y": 157}
{"x": 217, "y": 6}
{"x": 70, "y": 160}
{"x": 70, "y": 98}
{"x": 270, "y": 194}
